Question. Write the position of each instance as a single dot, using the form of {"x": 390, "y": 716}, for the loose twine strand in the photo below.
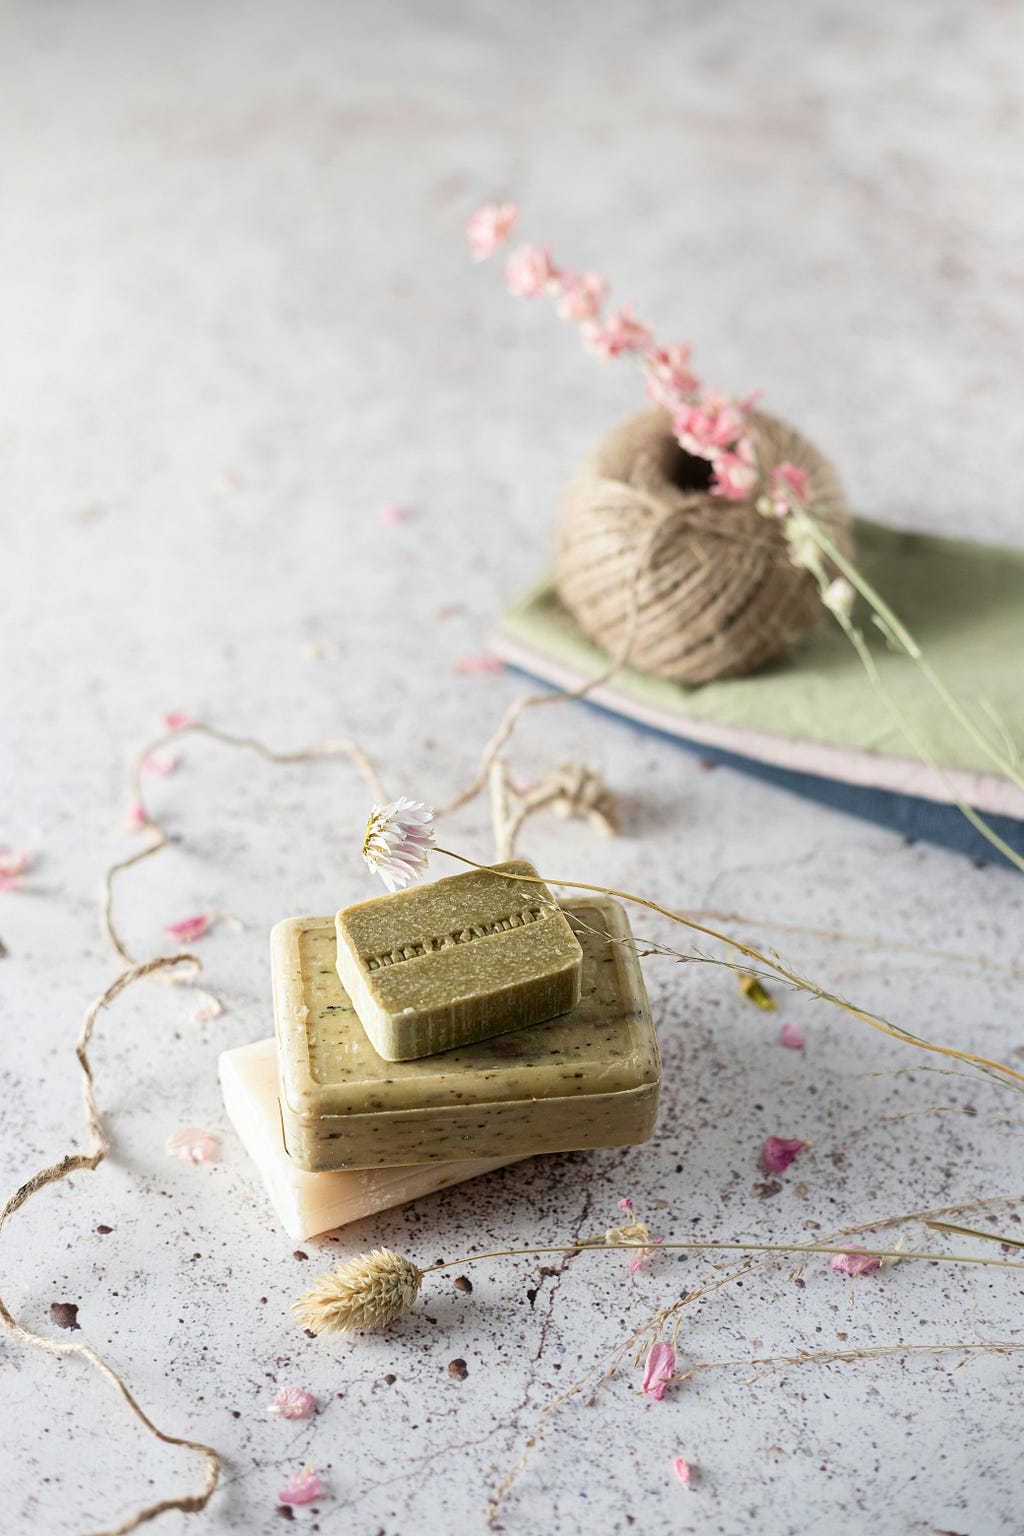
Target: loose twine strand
{"x": 72, "y": 1162}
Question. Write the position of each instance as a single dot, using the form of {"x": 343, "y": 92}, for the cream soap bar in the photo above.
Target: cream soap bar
{"x": 310, "y": 1203}
{"x": 589, "y": 1078}
{"x": 445, "y": 964}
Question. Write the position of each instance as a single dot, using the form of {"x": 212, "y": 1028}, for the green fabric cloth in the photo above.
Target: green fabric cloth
{"x": 963, "y": 602}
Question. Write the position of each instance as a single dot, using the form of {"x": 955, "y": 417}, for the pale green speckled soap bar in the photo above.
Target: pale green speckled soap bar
{"x": 442, "y": 965}
{"x": 587, "y": 1079}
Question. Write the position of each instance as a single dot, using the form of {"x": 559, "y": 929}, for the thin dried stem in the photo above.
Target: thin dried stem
{"x": 1008, "y": 1075}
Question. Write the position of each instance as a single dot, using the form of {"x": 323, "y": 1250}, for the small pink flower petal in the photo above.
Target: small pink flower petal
{"x": 393, "y": 513}
{"x": 779, "y": 1151}
{"x": 303, "y": 1488}
{"x": 13, "y": 864}
{"x": 640, "y": 1258}
{"x": 176, "y": 720}
{"x": 135, "y": 817}
{"x": 292, "y": 1403}
{"x": 10, "y": 883}
{"x": 191, "y": 1145}
{"x": 659, "y": 1369}
{"x": 159, "y": 763}
{"x": 188, "y": 929}
{"x": 792, "y": 1037}
{"x": 625, "y": 1204}
{"x": 682, "y": 1470}
{"x": 478, "y": 666}
{"x": 208, "y": 1011}
{"x": 854, "y": 1262}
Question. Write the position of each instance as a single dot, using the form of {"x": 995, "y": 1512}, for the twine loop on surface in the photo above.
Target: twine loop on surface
{"x": 718, "y": 595}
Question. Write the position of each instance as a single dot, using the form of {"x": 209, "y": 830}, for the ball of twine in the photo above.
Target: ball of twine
{"x": 715, "y": 592}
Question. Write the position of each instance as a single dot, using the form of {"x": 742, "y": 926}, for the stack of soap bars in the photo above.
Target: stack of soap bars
{"x": 437, "y": 1033}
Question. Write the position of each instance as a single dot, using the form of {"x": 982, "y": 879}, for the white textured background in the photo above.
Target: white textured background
{"x": 235, "y": 317}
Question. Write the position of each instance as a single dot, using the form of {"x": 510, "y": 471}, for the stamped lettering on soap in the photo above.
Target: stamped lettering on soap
{"x": 418, "y": 947}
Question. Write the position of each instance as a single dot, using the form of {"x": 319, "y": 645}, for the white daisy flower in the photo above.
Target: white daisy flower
{"x": 398, "y": 841}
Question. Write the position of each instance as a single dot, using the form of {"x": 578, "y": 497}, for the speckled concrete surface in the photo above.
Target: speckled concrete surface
{"x": 237, "y": 317}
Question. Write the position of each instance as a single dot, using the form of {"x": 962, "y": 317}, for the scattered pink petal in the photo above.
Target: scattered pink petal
{"x": 13, "y": 864}
{"x": 854, "y": 1262}
{"x": 393, "y": 513}
{"x": 475, "y": 666}
{"x": 189, "y": 929}
{"x": 779, "y": 1151}
{"x": 191, "y": 1145}
{"x": 490, "y": 227}
{"x": 176, "y": 720}
{"x": 303, "y": 1488}
{"x": 659, "y": 1369}
{"x": 159, "y": 763}
{"x": 640, "y": 1258}
{"x": 792, "y": 1037}
{"x": 682, "y": 1470}
{"x": 208, "y": 1011}
{"x": 135, "y": 817}
{"x": 292, "y": 1403}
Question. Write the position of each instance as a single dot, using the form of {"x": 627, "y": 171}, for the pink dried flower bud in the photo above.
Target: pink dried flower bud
{"x": 779, "y": 1151}
{"x": 292, "y": 1403}
{"x": 792, "y": 1037}
{"x": 490, "y": 227}
{"x": 475, "y": 666}
{"x": 581, "y": 295}
{"x": 191, "y": 1145}
{"x": 13, "y": 864}
{"x": 176, "y": 720}
{"x": 788, "y": 484}
{"x": 530, "y": 272}
{"x": 670, "y": 379}
{"x": 392, "y": 514}
{"x": 208, "y": 1011}
{"x": 188, "y": 929}
{"x": 159, "y": 763}
{"x": 659, "y": 1369}
{"x": 135, "y": 817}
{"x": 735, "y": 474}
{"x": 854, "y": 1262}
{"x": 621, "y": 332}
{"x": 682, "y": 1470}
{"x": 303, "y": 1488}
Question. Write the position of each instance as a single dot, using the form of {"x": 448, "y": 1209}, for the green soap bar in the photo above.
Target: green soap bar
{"x": 589, "y": 1078}
{"x": 445, "y": 964}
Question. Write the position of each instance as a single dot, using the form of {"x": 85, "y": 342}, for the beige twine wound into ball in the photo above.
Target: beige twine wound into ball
{"x": 715, "y": 592}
